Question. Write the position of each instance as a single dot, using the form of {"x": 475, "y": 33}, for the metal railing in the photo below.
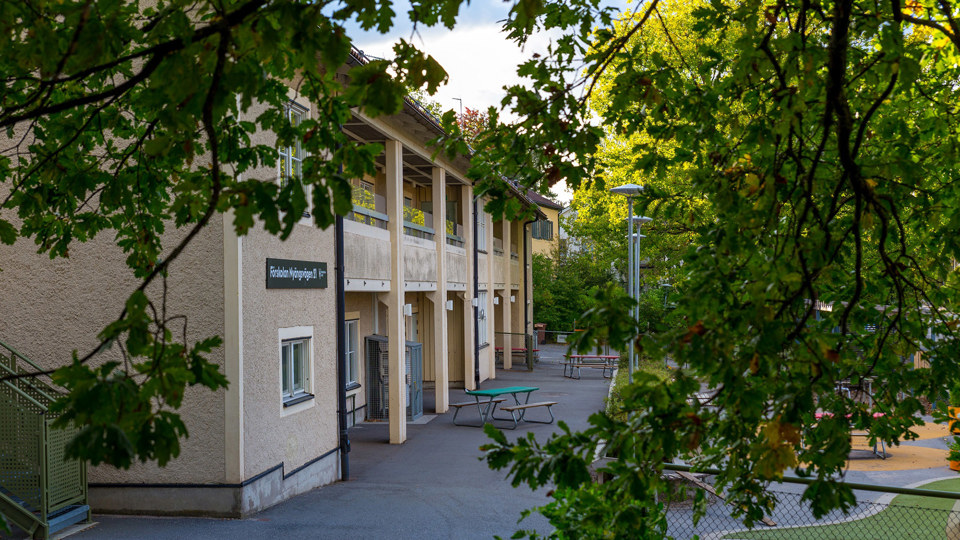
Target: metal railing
{"x": 417, "y": 223}
{"x": 368, "y": 208}
{"x": 37, "y": 483}
{"x": 455, "y": 233}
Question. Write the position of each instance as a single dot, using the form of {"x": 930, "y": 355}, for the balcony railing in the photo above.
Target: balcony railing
{"x": 369, "y": 208}
{"x": 417, "y": 223}
{"x": 455, "y": 234}
{"x": 498, "y": 247}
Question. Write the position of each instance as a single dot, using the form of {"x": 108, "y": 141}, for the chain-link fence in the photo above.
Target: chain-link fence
{"x": 877, "y": 515}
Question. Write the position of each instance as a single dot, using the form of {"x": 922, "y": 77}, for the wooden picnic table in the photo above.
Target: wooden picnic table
{"x": 573, "y": 362}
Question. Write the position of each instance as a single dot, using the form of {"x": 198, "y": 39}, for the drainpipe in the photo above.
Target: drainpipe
{"x": 476, "y": 293}
{"x": 344, "y": 437}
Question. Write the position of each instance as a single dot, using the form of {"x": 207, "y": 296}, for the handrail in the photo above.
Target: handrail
{"x": 23, "y": 394}
{"x": 416, "y": 227}
{"x": 370, "y": 213}
{"x": 22, "y": 357}
{"x": 32, "y": 381}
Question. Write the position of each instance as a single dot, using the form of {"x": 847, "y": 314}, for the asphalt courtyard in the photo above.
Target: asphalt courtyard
{"x": 432, "y": 486}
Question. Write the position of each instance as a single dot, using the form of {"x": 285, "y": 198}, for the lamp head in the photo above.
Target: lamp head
{"x": 629, "y": 190}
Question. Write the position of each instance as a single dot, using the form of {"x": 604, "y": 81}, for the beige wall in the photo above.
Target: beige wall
{"x": 52, "y": 307}
{"x": 545, "y": 247}
{"x": 272, "y": 433}
{"x": 456, "y": 265}
{"x": 499, "y": 277}
{"x": 363, "y": 305}
{"x": 455, "y": 345}
{"x": 367, "y": 252}
{"x": 419, "y": 259}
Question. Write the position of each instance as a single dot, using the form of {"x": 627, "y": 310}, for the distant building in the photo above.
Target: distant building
{"x": 572, "y": 244}
{"x": 545, "y": 231}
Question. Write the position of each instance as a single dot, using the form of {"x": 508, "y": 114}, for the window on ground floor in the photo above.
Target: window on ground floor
{"x": 352, "y": 354}
{"x": 296, "y": 354}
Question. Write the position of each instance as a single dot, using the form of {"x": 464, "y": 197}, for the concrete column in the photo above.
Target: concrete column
{"x": 526, "y": 266}
{"x": 439, "y": 297}
{"x": 491, "y": 293}
{"x": 395, "y": 298}
{"x": 233, "y": 350}
{"x": 505, "y": 306}
{"x": 469, "y": 339}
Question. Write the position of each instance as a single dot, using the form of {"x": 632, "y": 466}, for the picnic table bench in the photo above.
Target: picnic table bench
{"x": 574, "y": 362}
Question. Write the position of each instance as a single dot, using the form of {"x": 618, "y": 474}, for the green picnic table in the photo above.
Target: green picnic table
{"x": 487, "y": 407}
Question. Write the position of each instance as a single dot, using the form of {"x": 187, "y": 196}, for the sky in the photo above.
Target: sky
{"x": 478, "y": 57}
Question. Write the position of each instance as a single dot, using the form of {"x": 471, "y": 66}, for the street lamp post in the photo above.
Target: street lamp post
{"x": 630, "y": 191}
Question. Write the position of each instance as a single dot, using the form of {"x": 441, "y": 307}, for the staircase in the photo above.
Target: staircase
{"x": 40, "y": 491}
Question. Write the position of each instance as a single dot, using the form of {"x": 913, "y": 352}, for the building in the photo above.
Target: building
{"x": 546, "y": 231}
{"x": 572, "y": 245}
{"x": 310, "y": 350}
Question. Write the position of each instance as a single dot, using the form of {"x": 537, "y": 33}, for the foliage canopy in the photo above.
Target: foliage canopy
{"x": 815, "y": 150}
{"x": 815, "y": 144}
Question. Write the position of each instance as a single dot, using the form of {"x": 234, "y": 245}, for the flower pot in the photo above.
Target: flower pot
{"x": 954, "y": 414}
{"x": 955, "y": 465}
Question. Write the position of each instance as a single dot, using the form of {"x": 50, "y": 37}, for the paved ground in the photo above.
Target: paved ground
{"x": 433, "y": 486}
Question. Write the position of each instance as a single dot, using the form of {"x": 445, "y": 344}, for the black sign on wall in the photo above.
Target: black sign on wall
{"x": 287, "y": 274}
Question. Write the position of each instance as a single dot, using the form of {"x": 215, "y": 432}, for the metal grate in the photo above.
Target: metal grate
{"x": 63, "y": 474}
{"x": 414, "y": 361}
{"x": 378, "y": 377}
{"x": 34, "y": 473}
{"x": 21, "y": 432}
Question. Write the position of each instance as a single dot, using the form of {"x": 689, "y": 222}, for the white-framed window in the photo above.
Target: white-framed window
{"x": 482, "y": 317}
{"x": 352, "y": 353}
{"x": 290, "y": 159}
{"x": 481, "y": 228}
{"x": 296, "y": 364}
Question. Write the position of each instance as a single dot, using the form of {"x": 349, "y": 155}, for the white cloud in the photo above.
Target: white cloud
{"x": 479, "y": 58}
{"x": 479, "y": 61}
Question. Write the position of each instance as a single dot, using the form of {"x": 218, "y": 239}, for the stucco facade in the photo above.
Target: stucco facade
{"x": 423, "y": 263}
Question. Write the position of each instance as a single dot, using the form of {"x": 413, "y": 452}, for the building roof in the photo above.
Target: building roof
{"x": 543, "y": 201}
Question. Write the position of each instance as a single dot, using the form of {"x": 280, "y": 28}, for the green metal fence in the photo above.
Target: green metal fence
{"x": 40, "y": 490}
{"x": 881, "y": 512}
